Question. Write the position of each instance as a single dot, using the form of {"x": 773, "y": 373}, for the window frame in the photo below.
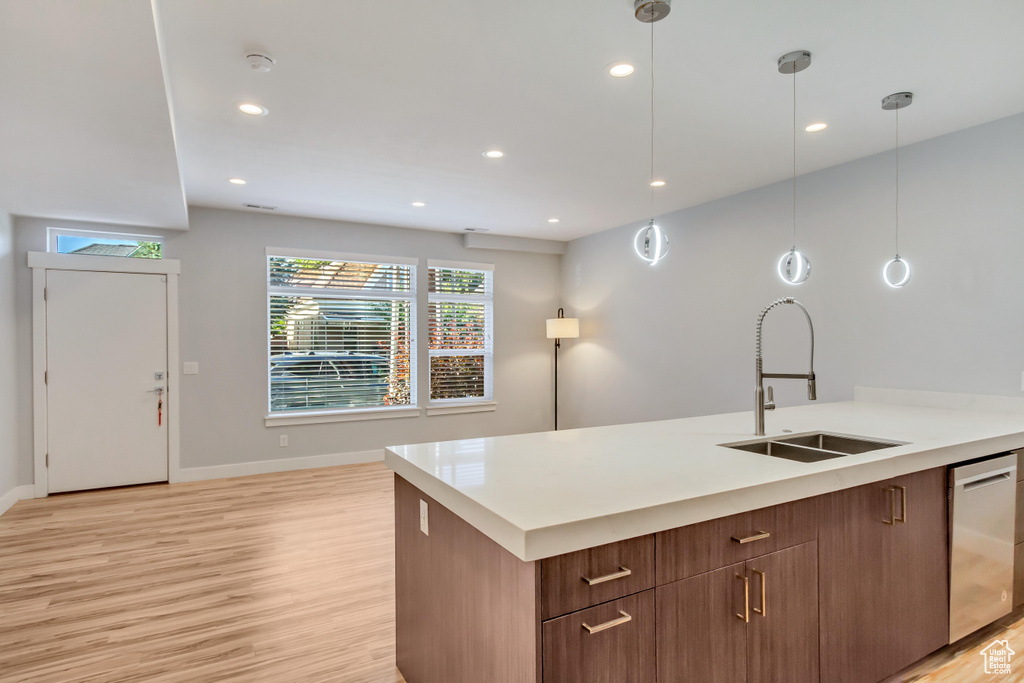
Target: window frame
{"x": 53, "y": 233}
{"x": 337, "y": 414}
{"x": 486, "y": 402}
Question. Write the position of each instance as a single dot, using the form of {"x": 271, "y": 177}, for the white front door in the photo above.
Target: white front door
{"x": 106, "y": 354}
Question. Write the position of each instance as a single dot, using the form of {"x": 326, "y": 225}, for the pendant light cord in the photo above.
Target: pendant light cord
{"x": 897, "y": 181}
{"x": 794, "y": 159}
{"x": 652, "y": 121}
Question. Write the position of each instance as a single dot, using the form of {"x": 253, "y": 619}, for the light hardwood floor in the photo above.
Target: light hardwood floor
{"x": 279, "y": 577}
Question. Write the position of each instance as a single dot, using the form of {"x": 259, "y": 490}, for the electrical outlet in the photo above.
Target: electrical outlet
{"x": 284, "y": 440}
{"x": 190, "y": 368}
{"x": 424, "y": 526}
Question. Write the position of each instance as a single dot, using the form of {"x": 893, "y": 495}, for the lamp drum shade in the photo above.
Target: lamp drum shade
{"x": 563, "y": 328}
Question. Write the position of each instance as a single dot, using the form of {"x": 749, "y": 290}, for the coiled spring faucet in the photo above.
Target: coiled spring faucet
{"x": 760, "y": 404}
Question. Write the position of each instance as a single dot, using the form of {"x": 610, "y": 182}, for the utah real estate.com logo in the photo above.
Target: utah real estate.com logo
{"x": 997, "y": 657}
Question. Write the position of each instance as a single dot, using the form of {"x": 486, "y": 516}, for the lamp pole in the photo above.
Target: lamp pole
{"x": 558, "y": 345}
{"x": 557, "y": 329}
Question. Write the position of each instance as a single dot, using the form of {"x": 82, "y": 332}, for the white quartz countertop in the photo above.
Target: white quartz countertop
{"x": 548, "y": 493}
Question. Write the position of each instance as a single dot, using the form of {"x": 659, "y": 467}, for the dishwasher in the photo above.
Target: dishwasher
{"x": 982, "y": 511}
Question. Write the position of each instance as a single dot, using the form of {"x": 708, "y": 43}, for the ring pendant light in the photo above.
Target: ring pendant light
{"x": 794, "y": 267}
{"x": 651, "y": 242}
{"x": 896, "y": 273}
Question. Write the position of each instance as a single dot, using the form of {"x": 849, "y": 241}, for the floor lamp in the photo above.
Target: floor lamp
{"x": 558, "y": 329}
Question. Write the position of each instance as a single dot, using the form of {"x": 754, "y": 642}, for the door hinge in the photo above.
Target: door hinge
{"x": 46, "y": 376}
{"x": 44, "y": 293}
{"x": 47, "y": 459}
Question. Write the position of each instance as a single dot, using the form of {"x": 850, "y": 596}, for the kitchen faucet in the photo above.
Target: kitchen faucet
{"x": 760, "y": 405}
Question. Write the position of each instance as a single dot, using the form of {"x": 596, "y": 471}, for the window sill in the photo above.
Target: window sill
{"x": 321, "y": 417}
{"x": 455, "y": 408}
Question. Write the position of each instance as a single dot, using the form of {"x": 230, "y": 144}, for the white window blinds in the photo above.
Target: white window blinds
{"x": 340, "y": 333}
{"x": 461, "y": 323}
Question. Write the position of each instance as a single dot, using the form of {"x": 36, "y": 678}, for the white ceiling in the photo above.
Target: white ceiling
{"x": 85, "y": 130}
{"x": 374, "y": 105}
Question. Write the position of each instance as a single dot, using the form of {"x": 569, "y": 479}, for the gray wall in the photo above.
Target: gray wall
{"x": 223, "y": 323}
{"x": 9, "y": 475}
{"x": 678, "y": 339}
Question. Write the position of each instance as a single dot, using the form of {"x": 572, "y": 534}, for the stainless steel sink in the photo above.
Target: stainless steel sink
{"x": 813, "y": 446}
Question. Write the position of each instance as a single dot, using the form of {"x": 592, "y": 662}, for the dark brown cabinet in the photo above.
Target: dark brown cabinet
{"x": 610, "y": 643}
{"x": 752, "y": 621}
{"x": 846, "y": 587}
{"x": 883, "y": 576}
{"x": 588, "y": 577}
{"x": 700, "y": 637}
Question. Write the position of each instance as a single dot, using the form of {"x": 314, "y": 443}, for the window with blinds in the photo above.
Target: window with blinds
{"x": 341, "y": 333}
{"x": 460, "y": 305}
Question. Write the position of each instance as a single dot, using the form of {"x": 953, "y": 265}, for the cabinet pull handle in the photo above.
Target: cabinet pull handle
{"x": 892, "y": 506}
{"x": 760, "y": 535}
{"x": 608, "y": 624}
{"x": 903, "y": 505}
{"x": 621, "y": 574}
{"x": 745, "y": 617}
{"x": 763, "y": 609}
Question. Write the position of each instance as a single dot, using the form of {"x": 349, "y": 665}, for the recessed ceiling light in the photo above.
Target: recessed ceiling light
{"x": 494, "y": 154}
{"x": 419, "y": 204}
{"x": 621, "y": 69}
{"x": 552, "y": 220}
{"x": 815, "y": 127}
{"x": 657, "y": 183}
{"x": 252, "y": 109}
{"x": 236, "y": 181}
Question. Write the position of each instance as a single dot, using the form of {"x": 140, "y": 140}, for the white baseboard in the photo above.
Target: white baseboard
{"x": 25, "y": 492}
{"x": 243, "y": 469}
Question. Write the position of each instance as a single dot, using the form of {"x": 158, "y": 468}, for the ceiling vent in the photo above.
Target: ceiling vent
{"x": 478, "y": 229}
{"x": 261, "y": 207}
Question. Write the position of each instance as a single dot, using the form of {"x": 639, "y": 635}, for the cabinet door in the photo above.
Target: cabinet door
{"x": 853, "y": 555}
{"x": 610, "y": 643}
{"x": 918, "y": 569}
{"x": 700, "y": 636}
{"x": 883, "y": 583}
{"x": 782, "y": 636}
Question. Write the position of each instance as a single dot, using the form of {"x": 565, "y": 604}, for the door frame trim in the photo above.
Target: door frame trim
{"x": 40, "y": 262}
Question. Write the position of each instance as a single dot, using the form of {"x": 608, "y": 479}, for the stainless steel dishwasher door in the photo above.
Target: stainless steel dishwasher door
{"x": 981, "y": 545}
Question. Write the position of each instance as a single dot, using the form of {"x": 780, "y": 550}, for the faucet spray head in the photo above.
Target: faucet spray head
{"x": 812, "y": 389}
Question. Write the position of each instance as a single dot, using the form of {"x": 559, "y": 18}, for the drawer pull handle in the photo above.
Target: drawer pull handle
{"x": 760, "y": 535}
{"x": 608, "y": 624}
{"x": 903, "y": 505}
{"x": 763, "y": 609}
{"x": 892, "y": 506}
{"x": 621, "y": 574}
{"x": 745, "y": 617}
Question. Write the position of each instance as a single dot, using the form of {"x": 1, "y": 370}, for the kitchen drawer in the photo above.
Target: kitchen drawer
{"x": 1019, "y": 528}
{"x": 588, "y": 577}
{"x": 610, "y": 643}
{"x": 698, "y": 548}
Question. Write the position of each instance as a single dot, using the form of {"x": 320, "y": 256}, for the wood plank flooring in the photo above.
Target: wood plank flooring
{"x": 272, "y": 578}
{"x": 280, "y": 577}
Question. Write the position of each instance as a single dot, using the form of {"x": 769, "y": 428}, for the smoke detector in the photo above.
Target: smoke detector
{"x": 260, "y": 62}
{"x": 650, "y": 11}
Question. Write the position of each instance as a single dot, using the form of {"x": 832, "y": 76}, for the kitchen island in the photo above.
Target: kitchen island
{"x": 651, "y": 552}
